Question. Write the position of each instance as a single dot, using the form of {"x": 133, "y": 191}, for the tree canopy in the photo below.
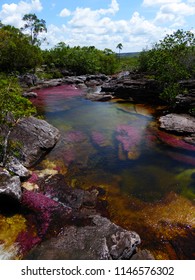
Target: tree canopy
{"x": 16, "y": 53}
{"x": 34, "y": 27}
{"x": 171, "y": 60}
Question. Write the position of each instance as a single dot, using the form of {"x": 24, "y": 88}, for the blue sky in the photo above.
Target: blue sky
{"x": 136, "y": 24}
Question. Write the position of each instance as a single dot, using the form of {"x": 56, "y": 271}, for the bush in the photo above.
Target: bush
{"x": 170, "y": 60}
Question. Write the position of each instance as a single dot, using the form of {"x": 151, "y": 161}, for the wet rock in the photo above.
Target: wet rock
{"x": 101, "y": 240}
{"x": 180, "y": 123}
{"x": 36, "y": 137}
{"x": 10, "y": 186}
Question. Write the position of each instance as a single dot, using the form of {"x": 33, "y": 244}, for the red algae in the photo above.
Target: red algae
{"x": 74, "y": 136}
{"x": 56, "y": 93}
{"x": 174, "y": 141}
{"x": 45, "y": 209}
{"x": 99, "y": 138}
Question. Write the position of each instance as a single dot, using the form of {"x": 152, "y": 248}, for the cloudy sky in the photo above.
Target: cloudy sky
{"x": 136, "y": 24}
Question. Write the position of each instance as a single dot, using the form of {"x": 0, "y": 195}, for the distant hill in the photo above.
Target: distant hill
{"x": 129, "y": 54}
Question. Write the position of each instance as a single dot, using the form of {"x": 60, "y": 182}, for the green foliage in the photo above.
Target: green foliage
{"x": 128, "y": 63}
{"x": 16, "y": 53}
{"x": 34, "y": 26}
{"x": 170, "y": 60}
{"x": 81, "y": 60}
{"x": 13, "y": 105}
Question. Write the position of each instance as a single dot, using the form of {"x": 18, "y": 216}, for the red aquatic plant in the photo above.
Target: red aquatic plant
{"x": 98, "y": 138}
{"x": 129, "y": 136}
{"x": 174, "y": 141}
{"x": 45, "y": 210}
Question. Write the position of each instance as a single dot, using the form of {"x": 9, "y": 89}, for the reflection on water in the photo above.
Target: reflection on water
{"x": 149, "y": 182}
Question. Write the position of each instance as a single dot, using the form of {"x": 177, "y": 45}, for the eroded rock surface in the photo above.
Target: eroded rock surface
{"x": 178, "y": 123}
{"x": 34, "y": 138}
{"x": 101, "y": 240}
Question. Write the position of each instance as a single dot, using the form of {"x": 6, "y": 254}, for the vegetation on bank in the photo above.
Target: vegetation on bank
{"x": 169, "y": 61}
{"x": 13, "y": 107}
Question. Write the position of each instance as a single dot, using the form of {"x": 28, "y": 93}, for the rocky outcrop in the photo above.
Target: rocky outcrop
{"x": 138, "y": 90}
{"x": 10, "y": 186}
{"x": 179, "y": 123}
{"x": 186, "y": 102}
{"x": 34, "y": 137}
{"x": 101, "y": 240}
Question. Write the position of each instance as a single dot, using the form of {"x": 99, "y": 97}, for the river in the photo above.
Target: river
{"x": 149, "y": 181}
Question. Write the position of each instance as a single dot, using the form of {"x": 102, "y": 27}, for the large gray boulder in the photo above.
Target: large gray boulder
{"x": 10, "y": 186}
{"x": 101, "y": 240}
{"x": 34, "y": 137}
{"x": 180, "y": 123}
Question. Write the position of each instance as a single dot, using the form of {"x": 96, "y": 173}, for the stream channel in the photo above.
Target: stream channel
{"x": 149, "y": 182}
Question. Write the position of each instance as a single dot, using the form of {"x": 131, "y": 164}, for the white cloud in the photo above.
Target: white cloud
{"x": 12, "y": 13}
{"x": 159, "y": 2}
{"x": 178, "y": 9}
{"x": 65, "y": 13}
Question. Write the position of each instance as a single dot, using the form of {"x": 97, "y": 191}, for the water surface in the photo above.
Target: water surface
{"x": 149, "y": 180}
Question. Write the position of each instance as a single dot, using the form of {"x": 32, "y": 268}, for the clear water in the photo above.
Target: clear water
{"x": 149, "y": 181}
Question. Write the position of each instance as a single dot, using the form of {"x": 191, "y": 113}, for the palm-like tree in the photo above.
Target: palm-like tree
{"x": 119, "y": 47}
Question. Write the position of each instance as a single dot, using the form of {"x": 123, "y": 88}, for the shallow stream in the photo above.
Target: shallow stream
{"x": 149, "y": 180}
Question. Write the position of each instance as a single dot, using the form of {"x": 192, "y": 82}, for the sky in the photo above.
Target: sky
{"x": 136, "y": 24}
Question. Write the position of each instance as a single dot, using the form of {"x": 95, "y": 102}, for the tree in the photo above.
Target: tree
{"x": 119, "y": 47}
{"x": 16, "y": 53}
{"x": 171, "y": 60}
{"x": 34, "y": 26}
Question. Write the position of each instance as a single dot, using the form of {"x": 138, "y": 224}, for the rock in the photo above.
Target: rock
{"x": 143, "y": 255}
{"x": 100, "y": 240}
{"x": 29, "y": 94}
{"x": 98, "y": 96}
{"x": 35, "y": 138}
{"x": 28, "y": 80}
{"x": 10, "y": 186}
{"x": 14, "y": 165}
{"x": 137, "y": 90}
{"x": 180, "y": 123}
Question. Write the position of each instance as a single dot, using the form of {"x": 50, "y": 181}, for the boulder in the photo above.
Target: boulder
{"x": 180, "y": 123}
{"x": 35, "y": 137}
{"x": 10, "y": 186}
{"x": 100, "y": 240}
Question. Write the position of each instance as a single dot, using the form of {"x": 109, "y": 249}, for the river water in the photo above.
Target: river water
{"x": 148, "y": 175}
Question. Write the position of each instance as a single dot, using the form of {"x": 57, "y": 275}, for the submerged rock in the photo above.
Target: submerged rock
{"x": 101, "y": 240}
